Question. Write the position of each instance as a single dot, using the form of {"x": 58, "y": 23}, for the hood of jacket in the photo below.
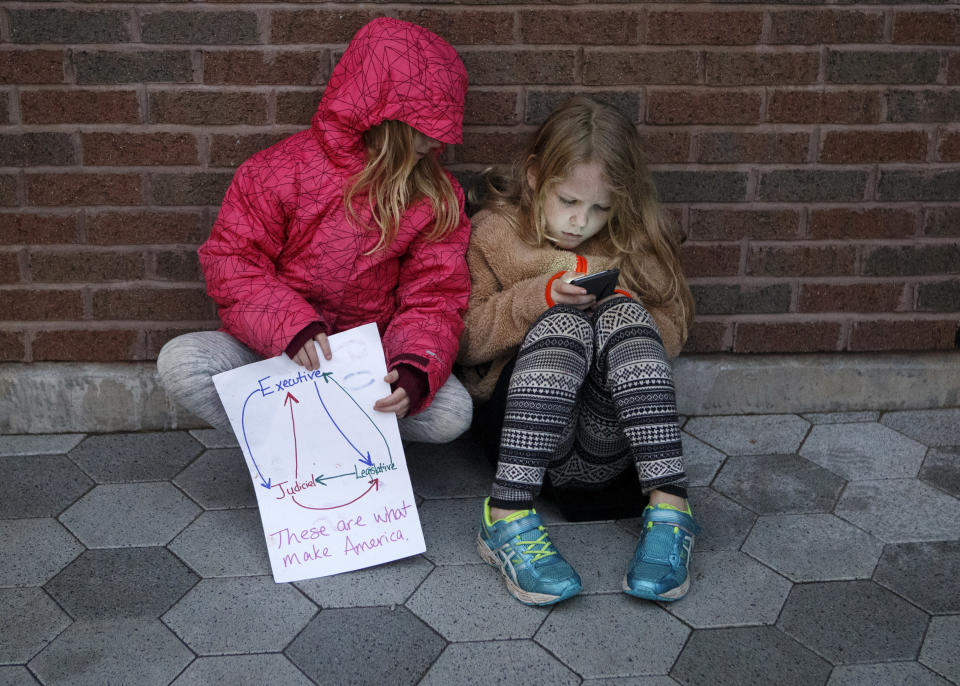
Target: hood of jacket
{"x": 391, "y": 69}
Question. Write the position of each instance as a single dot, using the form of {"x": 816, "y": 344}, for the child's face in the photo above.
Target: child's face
{"x": 578, "y": 207}
{"x": 423, "y": 144}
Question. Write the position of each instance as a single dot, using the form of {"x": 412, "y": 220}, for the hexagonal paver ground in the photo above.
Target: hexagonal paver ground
{"x": 450, "y": 530}
{"x": 39, "y": 486}
{"x": 16, "y": 676}
{"x": 202, "y": 544}
{"x": 900, "y": 510}
{"x": 816, "y": 547}
{"x": 853, "y": 621}
{"x": 34, "y": 550}
{"x": 899, "y": 673}
{"x": 372, "y": 645}
{"x": 939, "y": 651}
{"x": 453, "y": 469}
{"x": 29, "y": 620}
{"x": 123, "y": 651}
{"x": 121, "y": 582}
{"x": 480, "y": 664}
{"x": 924, "y": 573}
{"x": 218, "y": 479}
{"x": 112, "y": 458}
{"x": 600, "y": 552}
{"x": 941, "y": 469}
{"x": 863, "y": 451}
{"x": 387, "y": 584}
{"x": 239, "y": 615}
{"x": 841, "y": 417}
{"x": 271, "y": 668}
{"x": 748, "y": 655}
{"x": 38, "y": 444}
{"x": 930, "y": 427}
{"x": 778, "y": 484}
{"x": 700, "y": 461}
{"x": 750, "y": 435}
{"x": 598, "y": 636}
{"x": 119, "y": 515}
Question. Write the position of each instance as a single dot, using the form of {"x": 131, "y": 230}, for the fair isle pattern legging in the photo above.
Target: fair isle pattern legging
{"x": 590, "y": 393}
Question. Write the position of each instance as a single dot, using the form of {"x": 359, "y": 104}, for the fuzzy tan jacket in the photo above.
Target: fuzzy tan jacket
{"x": 509, "y": 293}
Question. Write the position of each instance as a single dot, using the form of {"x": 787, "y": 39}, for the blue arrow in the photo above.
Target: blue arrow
{"x": 367, "y": 460}
{"x": 338, "y": 427}
{"x": 243, "y": 425}
{"x": 373, "y": 423}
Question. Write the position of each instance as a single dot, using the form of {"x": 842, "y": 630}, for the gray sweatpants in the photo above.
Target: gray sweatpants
{"x": 188, "y": 363}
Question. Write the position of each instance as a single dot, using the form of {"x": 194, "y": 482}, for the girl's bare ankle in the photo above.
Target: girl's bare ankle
{"x": 499, "y": 513}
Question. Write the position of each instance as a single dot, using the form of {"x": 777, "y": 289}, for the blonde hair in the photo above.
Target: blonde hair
{"x": 582, "y": 131}
{"x": 393, "y": 179}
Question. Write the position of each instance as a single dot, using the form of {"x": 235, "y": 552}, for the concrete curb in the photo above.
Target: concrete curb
{"x": 52, "y": 397}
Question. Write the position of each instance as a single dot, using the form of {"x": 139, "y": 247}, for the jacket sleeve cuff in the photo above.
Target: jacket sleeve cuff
{"x": 622, "y": 292}
{"x": 415, "y": 383}
{"x": 300, "y": 340}
{"x": 546, "y": 292}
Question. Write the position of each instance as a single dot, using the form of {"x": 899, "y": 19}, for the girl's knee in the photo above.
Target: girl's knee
{"x": 562, "y": 320}
{"x": 624, "y": 311}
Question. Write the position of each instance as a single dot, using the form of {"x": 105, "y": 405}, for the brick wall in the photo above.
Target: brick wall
{"x": 811, "y": 152}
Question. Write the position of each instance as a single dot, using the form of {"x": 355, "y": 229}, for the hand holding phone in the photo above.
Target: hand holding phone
{"x": 600, "y": 284}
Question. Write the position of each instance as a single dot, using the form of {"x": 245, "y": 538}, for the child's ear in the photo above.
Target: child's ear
{"x": 532, "y": 177}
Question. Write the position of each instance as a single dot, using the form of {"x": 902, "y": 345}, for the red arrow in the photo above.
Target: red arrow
{"x": 296, "y": 462}
{"x": 374, "y": 484}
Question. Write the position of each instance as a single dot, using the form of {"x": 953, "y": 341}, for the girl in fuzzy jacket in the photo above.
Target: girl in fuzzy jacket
{"x": 584, "y": 386}
{"x": 351, "y": 221}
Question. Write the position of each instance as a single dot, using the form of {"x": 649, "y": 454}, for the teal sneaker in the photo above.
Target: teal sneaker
{"x": 661, "y": 563}
{"x": 519, "y": 546}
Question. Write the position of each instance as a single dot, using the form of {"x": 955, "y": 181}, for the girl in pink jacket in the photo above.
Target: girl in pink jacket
{"x": 351, "y": 221}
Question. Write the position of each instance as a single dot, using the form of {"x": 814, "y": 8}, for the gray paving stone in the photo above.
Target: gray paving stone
{"x": 242, "y": 670}
{"x": 215, "y": 438}
{"x": 239, "y": 615}
{"x": 39, "y": 486}
{"x": 38, "y": 444}
{"x": 29, "y": 621}
{"x": 816, "y": 547}
{"x": 450, "y": 530}
{"x": 700, "y": 460}
{"x": 113, "y": 458}
{"x": 860, "y": 452}
{"x": 16, "y": 676}
{"x": 724, "y": 525}
{"x": 853, "y": 621}
{"x": 778, "y": 484}
{"x": 930, "y": 427}
{"x": 121, "y": 582}
{"x": 372, "y": 645}
{"x": 600, "y": 635}
{"x": 939, "y": 651}
{"x": 900, "y": 510}
{"x": 748, "y": 655}
{"x": 899, "y": 673}
{"x": 941, "y": 469}
{"x": 924, "y": 573}
{"x": 841, "y": 417}
{"x": 633, "y": 681}
{"x": 728, "y": 588}
{"x": 752, "y": 434}
{"x": 387, "y": 584}
{"x": 471, "y": 603}
{"x": 218, "y": 479}
{"x": 600, "y": 552}
{"x": 481, "y": 664}
{"x": 224, "y": 543}
{"x": 34, "y": 550}
{"x": 120, "y": 651}
{"x": 118, "y": 515}
{"x": 450, "y": 470}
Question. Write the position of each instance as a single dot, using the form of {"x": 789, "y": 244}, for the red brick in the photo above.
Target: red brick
{"x": 783, "y": 337}
{"x": 703, "y": 107}
{"x": 734, "y": 225}
{"x": 949, "y": 148}
{"x": 851, "y": 297}
{"x": 853, "y": 147}
{"x": 208, "y": 107}
{"x": 509, "y": 66}
{"x": 4, "y": 108}
{"x": 156, "y": 338}
{"x": 8, "y": 190}
{"x": 879, "y": 222}
{"x": 491, "y": 107}
{"x": 13, "y": 347}
{"x": 953, "y": 69}
{"x": 231, "y": 150}
{"x": 33, "y": 304}
{"x": 821, "y": 26}
{"x": 200, "y": 188}
{"x": 24, "y": 229}
{"x": 301, "y": 67}
{"x": 178, "y": 265}
{"x": 297, "y": 107}
{"x": 85, "y": 266}
{"x": 903, "y": 334}
{"x": 729, "y": 147}
{"x": 712, "y": 27}
{"x": 84, "y": 189}
{"x": 79, "y": 107}
{"x": 701, "y": 259}
{"x": 927, "y": 28}
{"x": 708, "y": 337}
{"x": 942, "y": 221}
{"x": 750, "y": 68}
{"x": 465, "y": 27}
{"x": 98, "y": 345}
{"x": 662, "y": 147}
{"x": 140, "y": 228}
{"x": 152, "y": 304}
{"x": 488, "y": 148}
{"x": 605, "y": 67}
{"x": 10, "y": 267}
{"x": 314, "y": 27}
{"x": 579, "y": 27}
{"x": 21, "y": 67}
{"x": 801, "y": 260}
{"x": 139, "y": 149}
{"x": 827, "y": 107}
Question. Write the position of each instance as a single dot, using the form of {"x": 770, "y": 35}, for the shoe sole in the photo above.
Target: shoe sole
{"x": 525, "y": 597}
{"x": 669, "y": 597}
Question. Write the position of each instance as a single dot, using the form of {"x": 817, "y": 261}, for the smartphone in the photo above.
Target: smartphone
{"x": 600, "y": 284}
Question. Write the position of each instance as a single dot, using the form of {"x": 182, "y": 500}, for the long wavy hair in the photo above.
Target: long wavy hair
{"x": 393, "y": 179}
{"x": 582, "y": 131}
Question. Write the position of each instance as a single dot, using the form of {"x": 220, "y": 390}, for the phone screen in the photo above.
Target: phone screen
{"x": 600, "y": 284}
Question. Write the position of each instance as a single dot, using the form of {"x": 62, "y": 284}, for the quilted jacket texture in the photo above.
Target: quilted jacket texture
{"x": 282, "y": 254}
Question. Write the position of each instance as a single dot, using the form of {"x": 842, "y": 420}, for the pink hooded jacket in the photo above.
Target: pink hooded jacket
{"x": 282, "y": 255}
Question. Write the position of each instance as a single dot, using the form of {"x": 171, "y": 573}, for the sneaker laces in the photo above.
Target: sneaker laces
{"x": 531, "y": 545}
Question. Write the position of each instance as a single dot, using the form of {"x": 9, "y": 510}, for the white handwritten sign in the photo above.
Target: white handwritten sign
{"x": 328, "y": 470}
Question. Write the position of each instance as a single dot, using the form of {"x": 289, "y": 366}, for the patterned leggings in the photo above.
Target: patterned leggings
{"x": 590, "y": 393}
